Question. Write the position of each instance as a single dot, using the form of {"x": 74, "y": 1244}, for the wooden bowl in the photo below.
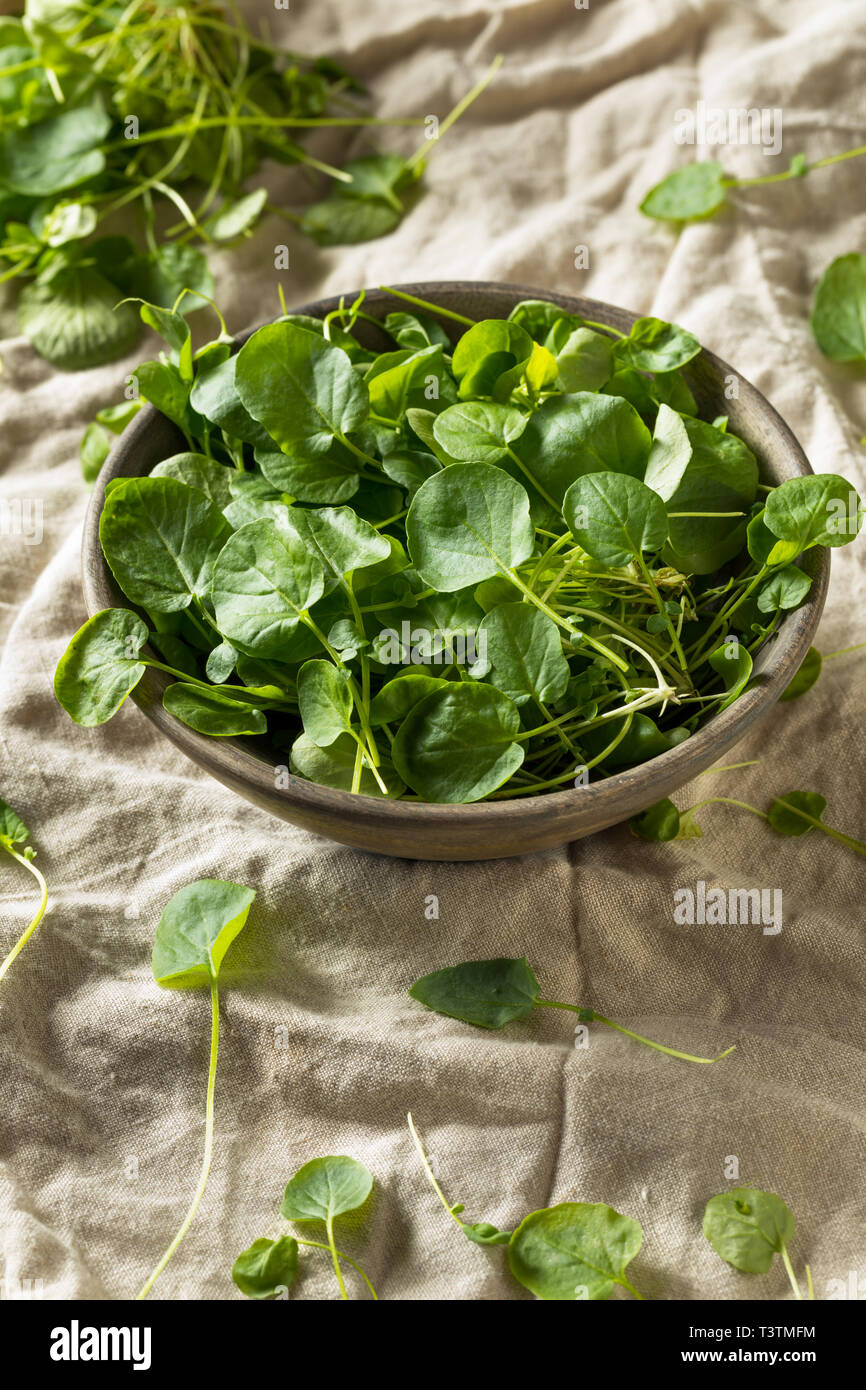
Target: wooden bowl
{"x": 493, "y": 829}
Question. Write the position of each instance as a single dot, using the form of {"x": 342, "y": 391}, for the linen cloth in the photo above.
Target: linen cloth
{"x": 103, "y": 1074}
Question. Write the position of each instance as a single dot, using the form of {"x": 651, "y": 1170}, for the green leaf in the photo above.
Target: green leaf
{"x": 482, "y": 1233}
{"x": 807, "y": 675}
{"x": 409, "y": 468}
{"x": 342, "y": 540}
{"x": 197, "y": 926}
{"x": 539, "y": 318}
{"x": 485, "y": 352}
{"x": 574, "y": 435}
{"x": 660, "y": 822}
{"x": 478, "y": 431}
{"x": 347, "y": 221}
{"x": 670, "y": 455}
{"x": 574, "y": 1250}
{"x": 643, "y": 741}
{"x": 100, "y": 666}
{"x": 697, "y": 190}
{"x": 457, "y": 745}
{"x": 162, "y": 276}
{"x": 467, "y": 523}
{"x": 325, "y": 702}
{"x": 394, "y": 701}
{"x": 785, "y": 589}
{"x": 198, "y": 471}
{"x": 585, "y": 361}
{"x": 236, "y": 216}
{"x": 214, "y": 396}
{"x": 212, "y": 712}
{"x": 301, "y": 389}
{"x": 485, "y": 993}
{"x": 653, "y": 345}
{"x": 326, "y": 1188}
{"x": 524, "y": 651}
{"x": 331, "y": 477}
{"x": 734, "y": 664}
{"x": 721, "y": 476}
{"x": 57, "y": 153}
{"x": 60, "y": 223}
{"x": 161, "y": 539}
{"x": 766, "y": 548}
{"x": 783, "y": 814}
{"x": 335, "y": 767}
{"x": 94, "y": 450}
{"x": 264, "y": 578}
{"x": 815, "y": 510}
{"x": 220, "y": 663}
{"x": 395, "y": 379}
{"x": 839, "y": 312}
{"x": 378, "y": 176}
{"x": 416, "y": 331}
{"x": 748, "y": 1227}
{"x": 267, "y": 1268}
{"x": 13, "y": 831}
{"x": 615, "y": 518}
{"x": 74, "y": 319}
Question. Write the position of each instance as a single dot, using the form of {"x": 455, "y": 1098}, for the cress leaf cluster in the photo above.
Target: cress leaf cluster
{"x": 445, "y": 570}
{"x": 321, "y": 1191}
{"x": 168, "y": 111}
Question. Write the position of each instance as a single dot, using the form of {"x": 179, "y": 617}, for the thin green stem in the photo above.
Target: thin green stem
{"x": 334, "y": 1256}
{"x": 632, "y": 1290}
{"x": 423, "y": 151}
{"x": 40, "y": 912}
{"x": 792, "y": 174}
{"x": 169, "y": 132}
{"x": 317, "y": 1245}
{"x": 857, "y": 845}
{"x": 843, "y": 651}
{"x": 789, "y": 1270}
{"x": 208, "y": 1143}
{"x": 429, "y": 1171}
{"x": 515, "y": 458}
{"x": 637, "y": 1037}
{"x": 425, "y": 304}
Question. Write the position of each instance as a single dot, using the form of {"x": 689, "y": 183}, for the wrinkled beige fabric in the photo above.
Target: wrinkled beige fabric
{"x": 103, "y": 1074}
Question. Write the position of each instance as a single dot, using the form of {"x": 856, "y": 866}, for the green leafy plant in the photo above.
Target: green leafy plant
{"x": 14, "y": 837}
{"x": 839, "y": 311}
{"x": 699, "y": 190}
{"x": 323, "y": 1190}
{"x": 573, "y": 1251}
{"x": 199, "y": 924}
{"x": 811, "y": 668}
{"x": 167, "y": 110}
{"x": 792, "y": 815}
{"x": 493, "y": 993}
{"x": 748, "y": 1227}
{"x": 437, "y": 572}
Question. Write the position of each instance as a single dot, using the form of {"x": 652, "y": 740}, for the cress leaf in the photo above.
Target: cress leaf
{"x": 197, "y": 926}
{"x": 326, "y": 1188}
{"x": 577, "y": 1250}
{"x": 485, "y": 993}
{"x": 748, "y": 1227}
